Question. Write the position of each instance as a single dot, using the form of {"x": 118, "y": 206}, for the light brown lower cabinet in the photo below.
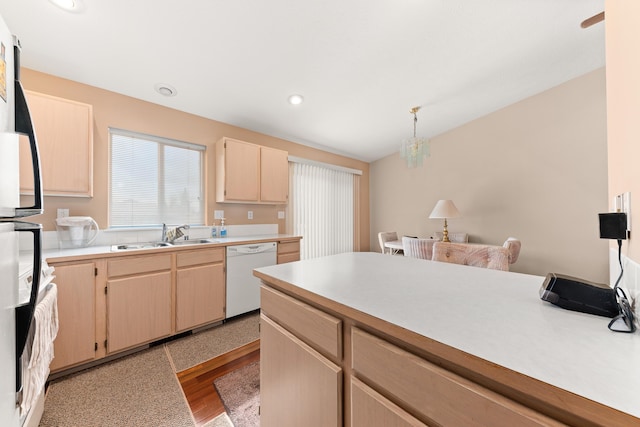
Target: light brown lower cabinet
{"x": 76, "y": 340}
{"x": 288, "y": 251}
{"x": 299, "y": 386}
{"x": 200, "y": 288}
{"x": 138, "y": 310}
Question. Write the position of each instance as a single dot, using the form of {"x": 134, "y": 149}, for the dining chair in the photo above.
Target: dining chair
{"x": 418, "y": 248}
{"x": 386, "y": 236}
{"x": 486, "y": 256}
{"x": 513, "y": 245}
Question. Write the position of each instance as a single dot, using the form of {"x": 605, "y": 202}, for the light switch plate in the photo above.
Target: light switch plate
{"x": 63, "y": 213}
{"x": 280, "y": 214}
{"x": 218, "y": 214}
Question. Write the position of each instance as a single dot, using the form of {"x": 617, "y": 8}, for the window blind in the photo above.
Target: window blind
{"x": 322, "y": 209}
{"x": 154, "y": 180}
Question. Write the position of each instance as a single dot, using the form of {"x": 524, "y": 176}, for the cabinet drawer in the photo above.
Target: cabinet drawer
{"x": 285, "y": 258}
{"x": 200, "y": 256}
{"x": 137, "y": 265}
{"x": 288, "y": 247}
{"x": 371, "y": 409}
{"x": 432, "y": 393}
{"x": 317, "y": 328}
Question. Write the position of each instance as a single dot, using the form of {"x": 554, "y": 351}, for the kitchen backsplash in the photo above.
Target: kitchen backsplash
{"x": 118, "y": 236}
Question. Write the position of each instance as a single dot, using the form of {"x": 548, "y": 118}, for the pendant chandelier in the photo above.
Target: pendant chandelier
{"x": 414, "y": 149}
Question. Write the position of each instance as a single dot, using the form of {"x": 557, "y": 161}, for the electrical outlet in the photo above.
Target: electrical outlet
{"x": 249, "y": 214}
{"x": 280, "y": 214}
{"x": 218, "y": 214}
{"x": 63, "y": 213}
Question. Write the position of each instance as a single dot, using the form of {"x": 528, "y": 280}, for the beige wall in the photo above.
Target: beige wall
{"x": 623, "y": 110}
{"x": 113, "y": 110}
{"x": 536, "y": 170}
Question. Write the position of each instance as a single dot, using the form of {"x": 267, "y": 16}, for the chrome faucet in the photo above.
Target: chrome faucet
{"x": 164, "y": 232}
{"x": 180, "y": 233}
{"x": 171, "y": 234}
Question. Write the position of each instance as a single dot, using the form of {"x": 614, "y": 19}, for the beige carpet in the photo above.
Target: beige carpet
{"x": 205, "y": 345}
{"x": 142, "y": 389}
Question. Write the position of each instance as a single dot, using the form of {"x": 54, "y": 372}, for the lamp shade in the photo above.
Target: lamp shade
{"x": 445, "y": 209}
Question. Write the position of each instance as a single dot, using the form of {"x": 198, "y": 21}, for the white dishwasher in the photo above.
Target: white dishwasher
{"x": 243, "y": 288}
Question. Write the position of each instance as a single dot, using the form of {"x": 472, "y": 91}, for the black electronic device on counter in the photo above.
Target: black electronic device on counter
{"x": 579, "y": 295}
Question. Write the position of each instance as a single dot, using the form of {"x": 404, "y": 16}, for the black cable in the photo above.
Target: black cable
{"x": 619, "y": 261}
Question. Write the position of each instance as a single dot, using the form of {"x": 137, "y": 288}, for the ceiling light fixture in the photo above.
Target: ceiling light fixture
{"x": 296, "y": 99}
{"x": 414, "y": 149}
{"x": 68, "y": 5}
{"x": 165, "y": 89}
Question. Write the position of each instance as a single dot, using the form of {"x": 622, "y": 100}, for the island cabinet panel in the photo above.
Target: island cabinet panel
{"x": 299, "y": 387}
{"x": 200, "y": 288}
{"x": 315, "y": 327}
{"x": 370, "y": 409}
{"x": 76, "y": 339}
{"x": 288, "y": 251}
{"x": 431, "y": 392}
{"x": 64, "y": 130}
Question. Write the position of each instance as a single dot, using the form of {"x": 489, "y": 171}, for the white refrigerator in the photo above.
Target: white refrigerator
{"x": 16, "y": 314}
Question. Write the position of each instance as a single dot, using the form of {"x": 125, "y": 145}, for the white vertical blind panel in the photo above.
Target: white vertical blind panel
{"x": 322, "y": 210}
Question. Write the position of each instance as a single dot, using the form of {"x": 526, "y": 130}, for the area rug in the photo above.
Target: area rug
{"x": 240, "y": 393}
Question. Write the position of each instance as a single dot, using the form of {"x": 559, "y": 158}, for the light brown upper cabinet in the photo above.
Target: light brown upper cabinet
{"x": 249, "y": 173}
{"x": 64, "y": 130}
{"x": 274, "y": 176}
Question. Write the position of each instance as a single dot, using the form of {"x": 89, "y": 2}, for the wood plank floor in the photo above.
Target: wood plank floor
{"x": 197, "y": 381}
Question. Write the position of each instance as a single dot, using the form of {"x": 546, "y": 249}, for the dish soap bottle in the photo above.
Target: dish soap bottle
{"x": 223, "y": 229}
{"x": 214, "y": 230}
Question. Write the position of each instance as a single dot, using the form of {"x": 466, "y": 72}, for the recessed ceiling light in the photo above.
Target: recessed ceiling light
{"x": 68, "y": 5}
{"x": 296, "y": 99}
{"x": 165, "y": 89}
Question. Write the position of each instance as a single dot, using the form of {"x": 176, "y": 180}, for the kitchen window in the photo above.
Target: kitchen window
{"x": 154, "y": 180}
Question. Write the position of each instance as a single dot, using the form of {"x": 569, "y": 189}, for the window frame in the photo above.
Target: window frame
{"x": 160, "y": 170}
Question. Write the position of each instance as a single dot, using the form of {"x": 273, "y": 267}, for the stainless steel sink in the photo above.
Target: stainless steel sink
{"x": 134, "y": 246}
{"x": 194, "y": 242}
{"x": 152, "y": 245}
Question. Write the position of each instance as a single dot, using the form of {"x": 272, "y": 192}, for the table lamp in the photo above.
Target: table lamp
{"x": 444, "y": 209}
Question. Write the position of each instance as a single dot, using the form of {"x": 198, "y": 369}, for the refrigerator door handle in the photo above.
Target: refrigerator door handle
{"x": 24, "y": 313}
{"x": 24, "y": 125}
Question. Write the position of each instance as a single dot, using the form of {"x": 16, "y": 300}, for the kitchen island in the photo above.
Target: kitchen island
{"x": 385, "y": 339}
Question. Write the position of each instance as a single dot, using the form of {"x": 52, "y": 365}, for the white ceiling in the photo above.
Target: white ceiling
{"x": 360, "y": 64}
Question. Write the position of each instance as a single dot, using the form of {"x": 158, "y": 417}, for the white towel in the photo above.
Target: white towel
{"x": 45, "y": 329}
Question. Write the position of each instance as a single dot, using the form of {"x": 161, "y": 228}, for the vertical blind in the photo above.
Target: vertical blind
{"x": 322, "y": 209}
{"x": 154, "y": 180}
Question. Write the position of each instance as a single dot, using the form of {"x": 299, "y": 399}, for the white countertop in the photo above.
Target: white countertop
{"x": 495, "y": 315}
{"x": 98, "y": 251}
